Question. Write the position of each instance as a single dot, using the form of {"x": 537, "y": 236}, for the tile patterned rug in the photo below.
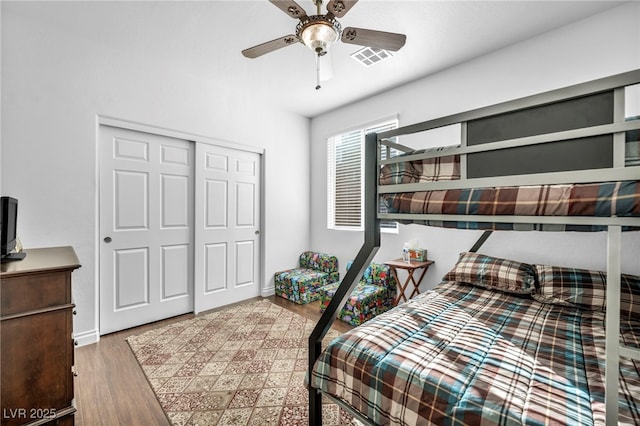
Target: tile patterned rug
{"x": 242, "y": 365}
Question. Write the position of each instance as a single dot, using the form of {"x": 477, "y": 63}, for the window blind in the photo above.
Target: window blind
{"x": 345, "y": 177}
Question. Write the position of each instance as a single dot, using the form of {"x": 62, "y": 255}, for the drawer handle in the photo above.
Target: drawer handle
{"x": 107, "y": 239}
{"x": 75, "y": 312}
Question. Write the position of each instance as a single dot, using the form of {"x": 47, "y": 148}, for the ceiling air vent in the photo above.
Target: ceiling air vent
{"x": 369, "y": 56}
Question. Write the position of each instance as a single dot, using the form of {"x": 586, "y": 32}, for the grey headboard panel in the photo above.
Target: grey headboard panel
{"x": 575, "y": 154}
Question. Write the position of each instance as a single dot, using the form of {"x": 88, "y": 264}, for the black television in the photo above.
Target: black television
{"x": 8, "y": 229}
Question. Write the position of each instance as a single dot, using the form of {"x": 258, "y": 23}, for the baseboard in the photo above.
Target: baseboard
{"x": 269, "y": 291}
{"x": 86, "y": 338}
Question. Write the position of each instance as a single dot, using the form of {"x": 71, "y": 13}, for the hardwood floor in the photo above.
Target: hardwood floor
{"x": 111, "y": 389}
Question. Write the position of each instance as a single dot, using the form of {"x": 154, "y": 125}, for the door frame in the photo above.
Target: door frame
{"x": 103, "y": 120}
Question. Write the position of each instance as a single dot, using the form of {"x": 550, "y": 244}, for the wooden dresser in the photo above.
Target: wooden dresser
{"x": 36, "y": 338}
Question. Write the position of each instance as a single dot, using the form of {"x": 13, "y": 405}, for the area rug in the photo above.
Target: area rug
{"x": 242, "y": 365}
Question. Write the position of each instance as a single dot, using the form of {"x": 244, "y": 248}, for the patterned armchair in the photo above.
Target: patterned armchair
{"x": 373, "y": 295}
{"x": 301, "y": 285}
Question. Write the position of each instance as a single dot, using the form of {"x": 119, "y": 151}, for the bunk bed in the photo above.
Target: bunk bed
{"x": 500, "y": 341}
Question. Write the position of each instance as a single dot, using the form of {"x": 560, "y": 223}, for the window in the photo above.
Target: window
{"x": 345, "y": 178}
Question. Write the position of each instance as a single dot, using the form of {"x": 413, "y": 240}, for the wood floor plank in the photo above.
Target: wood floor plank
{"x": 111, "y": 388}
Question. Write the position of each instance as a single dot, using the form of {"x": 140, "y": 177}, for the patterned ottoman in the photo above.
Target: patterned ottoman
{"x": 373, "y": 295}
{"x": 301, "y": 285}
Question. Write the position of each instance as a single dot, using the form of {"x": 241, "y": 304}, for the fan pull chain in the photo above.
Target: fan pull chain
{"x": 318, "y": 87}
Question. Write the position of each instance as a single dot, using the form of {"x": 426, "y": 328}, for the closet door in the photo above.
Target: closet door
{"x": 227, "y": 234}
{"x": 146, "y": 228}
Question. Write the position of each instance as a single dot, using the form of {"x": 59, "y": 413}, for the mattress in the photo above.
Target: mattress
{"x": 462, "y": 354}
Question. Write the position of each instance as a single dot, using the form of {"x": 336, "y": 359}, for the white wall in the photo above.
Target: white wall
{"x": 605, "y": 44}
{"x": 53, "y": 87}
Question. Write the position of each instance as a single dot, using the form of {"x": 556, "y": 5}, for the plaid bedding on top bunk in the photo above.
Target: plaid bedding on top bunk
{"x": 461, "y": 354}
{"x": 594, "y": 199}
{"x": 597, "y": 199}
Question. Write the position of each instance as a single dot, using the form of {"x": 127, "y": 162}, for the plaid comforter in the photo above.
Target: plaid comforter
{"x": 463, "y": 355}
{"x": 596, "y": 199}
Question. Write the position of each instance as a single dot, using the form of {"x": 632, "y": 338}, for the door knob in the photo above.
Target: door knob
{"x": 257, "y": 232}
{"x": 107, "y": 239}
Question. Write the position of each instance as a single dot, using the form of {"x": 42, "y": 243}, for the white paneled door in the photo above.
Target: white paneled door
{"x": 227, "y": 233}
{"x": 146, "y": 228}
{"x": 179, "y": 227}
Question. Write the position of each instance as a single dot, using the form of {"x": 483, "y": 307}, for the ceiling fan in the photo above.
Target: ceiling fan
{"x": 319, "y": 31}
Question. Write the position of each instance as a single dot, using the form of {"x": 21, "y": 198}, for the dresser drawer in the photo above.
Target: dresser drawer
{"x": 21, "y": 294}
{"x": 36, "y": 378}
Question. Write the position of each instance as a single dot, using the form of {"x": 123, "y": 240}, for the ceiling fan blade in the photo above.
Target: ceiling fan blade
{"x": 270, "y": 46}
{"x": 373, "y": 38}
{"x": 290, "y": 7}
{"x": 339, "y": 8}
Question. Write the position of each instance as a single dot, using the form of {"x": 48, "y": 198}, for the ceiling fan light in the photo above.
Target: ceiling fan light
{"x": 318, "y": 32}
{"x": 319, "y": 36}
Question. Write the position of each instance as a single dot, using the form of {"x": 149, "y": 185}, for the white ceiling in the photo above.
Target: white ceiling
{"x": 203, "y": 40}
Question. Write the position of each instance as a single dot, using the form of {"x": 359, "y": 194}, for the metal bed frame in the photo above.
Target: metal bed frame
{"x": 373, "y": 146}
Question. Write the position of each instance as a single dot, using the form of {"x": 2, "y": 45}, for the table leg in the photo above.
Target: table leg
{"x": 405, "y": 286}
{"x": 416, "y": 286}
{"x": 400, "y": 286}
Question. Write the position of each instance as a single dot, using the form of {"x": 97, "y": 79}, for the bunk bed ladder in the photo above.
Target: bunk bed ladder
{"x": 352, "y": 277}
{"x": 613, "y": 348}
{"x": 612, "y": 325}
